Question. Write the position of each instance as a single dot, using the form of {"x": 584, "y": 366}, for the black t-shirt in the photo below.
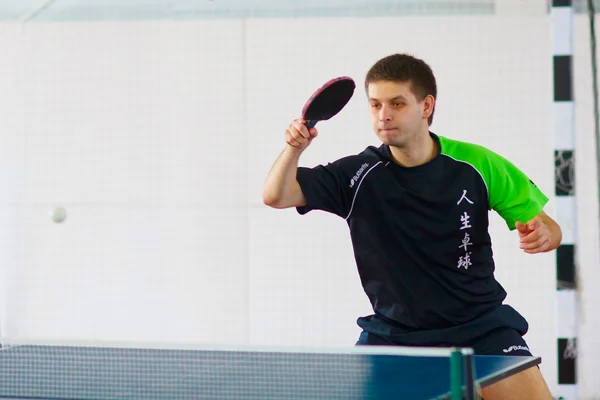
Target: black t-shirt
{"x": 420, "y": 234}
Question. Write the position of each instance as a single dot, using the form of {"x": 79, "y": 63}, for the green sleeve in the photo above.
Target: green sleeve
{"x": 511, "y": 193}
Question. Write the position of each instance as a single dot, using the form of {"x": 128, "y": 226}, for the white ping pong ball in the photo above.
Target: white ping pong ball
{"x": 59, "y": 214}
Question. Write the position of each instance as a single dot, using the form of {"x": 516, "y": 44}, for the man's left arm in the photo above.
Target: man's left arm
{"x": 540, "y": 234}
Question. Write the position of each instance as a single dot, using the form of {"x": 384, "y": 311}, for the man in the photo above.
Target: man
{"x": 417, "y": 209}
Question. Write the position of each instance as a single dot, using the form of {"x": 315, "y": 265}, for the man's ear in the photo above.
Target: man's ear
{"x": 428, "y": 106}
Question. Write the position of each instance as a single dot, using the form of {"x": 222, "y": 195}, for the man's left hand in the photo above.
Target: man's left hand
{"x": 535, "y": 236}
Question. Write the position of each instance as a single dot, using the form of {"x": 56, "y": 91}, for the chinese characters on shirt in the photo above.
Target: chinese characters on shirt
{"x": 465, "y": 260}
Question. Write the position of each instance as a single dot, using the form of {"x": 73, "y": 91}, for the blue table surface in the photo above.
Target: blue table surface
{"x": 86, "y": 373}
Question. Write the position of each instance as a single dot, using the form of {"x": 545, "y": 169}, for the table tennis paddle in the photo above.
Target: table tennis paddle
{"x": 328, "y": 100}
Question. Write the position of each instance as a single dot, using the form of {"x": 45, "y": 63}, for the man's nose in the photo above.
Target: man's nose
{"x": 385, "y": 114}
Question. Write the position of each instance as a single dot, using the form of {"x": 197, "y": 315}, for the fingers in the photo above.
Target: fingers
{"x": 537, "y": 239}
{"x": 534, "y": 223}
{"x": 521, "y": 227}
{"x": 534, "y": 243}
{"x": 531, "y": 236}
{"x": 298, "y": 136}
{"x": 300, "y": 129}
{"x": 539, "y": 246}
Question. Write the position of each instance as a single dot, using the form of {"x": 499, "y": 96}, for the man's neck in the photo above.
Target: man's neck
{"x": 420, "y": 151}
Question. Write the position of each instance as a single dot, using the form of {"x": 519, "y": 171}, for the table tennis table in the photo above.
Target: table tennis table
{"x": 126, "y": 371}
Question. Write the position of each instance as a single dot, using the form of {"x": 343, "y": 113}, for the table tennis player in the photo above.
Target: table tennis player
{"x": 417, "y": 209}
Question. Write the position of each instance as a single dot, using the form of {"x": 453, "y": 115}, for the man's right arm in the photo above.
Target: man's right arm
{"x": 281, "y": 188}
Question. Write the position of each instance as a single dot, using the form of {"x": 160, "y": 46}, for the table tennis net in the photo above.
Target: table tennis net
{"x": 88, "y": 372}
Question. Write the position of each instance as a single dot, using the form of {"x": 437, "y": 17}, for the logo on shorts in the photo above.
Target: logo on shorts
{"x": 515, "y": 347}
{"x": 358, "y": 174}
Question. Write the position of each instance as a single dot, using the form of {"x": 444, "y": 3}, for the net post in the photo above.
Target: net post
{"x": 469, "y": 368}
{"x": 456, "y": 374}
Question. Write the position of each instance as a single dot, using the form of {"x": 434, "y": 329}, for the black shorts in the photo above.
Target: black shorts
{"x": 498, "y": 342}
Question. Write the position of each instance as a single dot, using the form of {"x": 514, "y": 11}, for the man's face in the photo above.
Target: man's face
{"x": 397, "y": 115}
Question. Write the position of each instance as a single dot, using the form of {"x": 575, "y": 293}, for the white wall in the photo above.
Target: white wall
{"x": 157, "y": 138}
{"x": 127, "y": 128}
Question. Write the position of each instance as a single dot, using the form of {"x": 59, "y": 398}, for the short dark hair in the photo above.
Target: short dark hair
{"x": 405, "y": 68}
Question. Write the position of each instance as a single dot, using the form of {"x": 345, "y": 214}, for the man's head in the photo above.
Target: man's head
{"x": 402, "y": 92}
